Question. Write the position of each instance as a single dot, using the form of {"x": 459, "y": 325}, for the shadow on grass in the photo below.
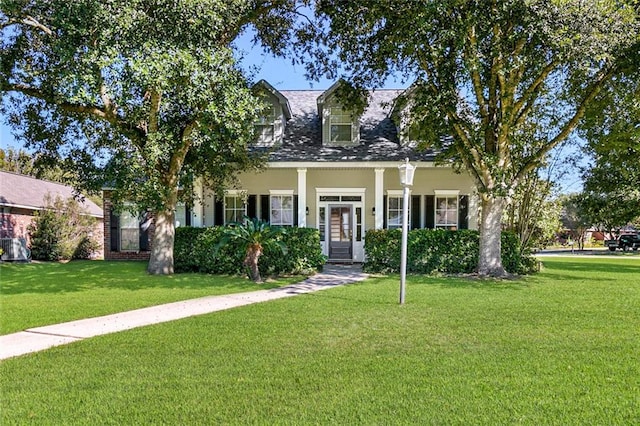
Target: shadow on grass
{"x": 53, "y": 277}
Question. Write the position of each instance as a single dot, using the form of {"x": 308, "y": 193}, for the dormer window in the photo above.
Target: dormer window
{"x": 340, "y": 126}
{"x": 270, "y": 125}
{"x": 266, "y": 126}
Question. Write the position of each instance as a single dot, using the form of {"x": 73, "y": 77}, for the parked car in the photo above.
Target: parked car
{"x": 624, "y": 242}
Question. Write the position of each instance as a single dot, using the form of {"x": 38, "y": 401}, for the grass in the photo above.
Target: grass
{"x": 560, "y": 347}
{"x": 37, "y": 294}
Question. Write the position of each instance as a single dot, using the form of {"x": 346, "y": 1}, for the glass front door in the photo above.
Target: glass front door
{"x": 340, "y": 233}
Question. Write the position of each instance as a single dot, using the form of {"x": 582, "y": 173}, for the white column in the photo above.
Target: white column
{"x": 302, "y": 198}
{"x": 379, "y": 199}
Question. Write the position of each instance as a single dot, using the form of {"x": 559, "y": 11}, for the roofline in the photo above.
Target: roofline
{"x": 281, "y": 98}
{"x": 40, "y": 208}
{"x": 348, "y": 164}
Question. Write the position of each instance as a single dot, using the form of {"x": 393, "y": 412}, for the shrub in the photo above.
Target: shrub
{"x": 435, "y": 250}
{"x": 194, "y": 252}
{"x": 62, "y": 231}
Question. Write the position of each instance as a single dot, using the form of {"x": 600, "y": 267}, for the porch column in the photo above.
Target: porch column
{"x": 302, "y": 198}
{"x": 379, "y": 199}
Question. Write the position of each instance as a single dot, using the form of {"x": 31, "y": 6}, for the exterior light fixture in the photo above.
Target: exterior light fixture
{"x": 406, "y": 180}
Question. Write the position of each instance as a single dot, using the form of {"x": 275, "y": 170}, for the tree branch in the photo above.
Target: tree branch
{"x": 473, "y": 56}
{"x": 591, "y": 93}
{"x": 522, "y": 106}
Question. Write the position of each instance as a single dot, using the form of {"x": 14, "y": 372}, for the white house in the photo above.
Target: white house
{"x": 328, "y": 169}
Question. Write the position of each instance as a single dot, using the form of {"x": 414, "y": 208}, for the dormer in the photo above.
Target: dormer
{"x": 271, "y": 124}
{"x": 340, "y": 124}
{"x": 401, "y": 115}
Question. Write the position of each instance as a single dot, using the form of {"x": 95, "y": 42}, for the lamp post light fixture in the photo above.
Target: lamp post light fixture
{"x": 406, "y": 180}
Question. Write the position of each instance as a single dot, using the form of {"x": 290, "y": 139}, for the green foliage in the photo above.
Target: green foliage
{"x": 254, "y": 235}
{"x": 195, "y": 248}
{"x": 63, "y": 230}
{"x": 484, "y": 72}
{"x": 430, "y": 251}
{"x": 144, "y": 97}
{"x": 532, "y": 214}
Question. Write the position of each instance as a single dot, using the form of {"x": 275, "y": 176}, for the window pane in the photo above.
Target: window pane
{"x": 129, "y": 239}
{"x": 395, "y": 203}
{"x": 341, "y": 133}
{"x": 181, "y": 215}
{"x": 321, "y": 219}
{"x": 351, "y": 198}
{"x": 282, "y": 210}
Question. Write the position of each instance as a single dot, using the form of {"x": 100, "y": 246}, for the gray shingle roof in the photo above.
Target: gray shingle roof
{"x": 28, "y": 192}
{"x": 378, "y": 135}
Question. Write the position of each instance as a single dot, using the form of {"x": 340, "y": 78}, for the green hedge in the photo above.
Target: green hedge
{"x": 430, "y": 250}
{"x": 194, "y": 247}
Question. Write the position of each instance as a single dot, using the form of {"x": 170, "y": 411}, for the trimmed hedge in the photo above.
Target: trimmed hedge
{"x": 194, "y": 247}
{"x": 431, "y": 250}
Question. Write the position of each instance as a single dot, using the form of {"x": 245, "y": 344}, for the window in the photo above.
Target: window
{"x": 282, "y": 210}
{"x": 234, "y": 208}
{"x": 265, "y": 126}
{"x": 358, "y": 223}
{"x": 129, "y": 232}
{"x": 340, "y": 125}
{"x": 394, "y": 212}
{"x": 447, "y": 212}
{"x": 321, "y": 224}
{"x": 181, "y": 215}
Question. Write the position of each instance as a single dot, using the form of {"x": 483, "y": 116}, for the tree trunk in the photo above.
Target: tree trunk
{"x": 254, "y": 251}
{"x": 490, "y": 260}
{"x": 161, "y": 260}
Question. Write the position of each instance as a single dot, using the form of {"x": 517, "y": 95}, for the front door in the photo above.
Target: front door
{"x": 340, "y": 233}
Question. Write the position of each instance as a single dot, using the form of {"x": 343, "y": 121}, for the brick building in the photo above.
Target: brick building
{"x": 21, "y": 196}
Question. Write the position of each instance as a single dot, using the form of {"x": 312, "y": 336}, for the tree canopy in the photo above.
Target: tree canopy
{"x": 484, "y": 71}
{"x": 143, "y": 96}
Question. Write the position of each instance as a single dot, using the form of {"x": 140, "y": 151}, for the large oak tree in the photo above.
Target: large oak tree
{"x": 143, "y": 95}
{"x": 484, "y": 70}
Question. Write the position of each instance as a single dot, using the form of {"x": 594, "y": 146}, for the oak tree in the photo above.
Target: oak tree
{"x": 144, "y": 96}
{"x": 483, "y": 70}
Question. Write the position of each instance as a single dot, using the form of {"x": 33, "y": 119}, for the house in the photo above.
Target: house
{"x": 21, "y": 196}
{"x": 328, "y": 168}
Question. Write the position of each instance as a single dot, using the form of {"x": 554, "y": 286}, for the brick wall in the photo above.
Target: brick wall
{"x": 16, "y": 225}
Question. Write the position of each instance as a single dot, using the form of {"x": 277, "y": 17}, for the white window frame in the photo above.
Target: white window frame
{"x": 445, "y": 212}
{"x": 240, "y": 199}
{"x": 181, "y": 215}
{"x": 265, "y": 125}
{"x": 128, "y": 224}
{"x": 396, "y": 194}
{"x": 280, "y": 195}
{"x": 339, "y": 117}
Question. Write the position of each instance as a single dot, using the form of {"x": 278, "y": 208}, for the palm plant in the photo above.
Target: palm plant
{"x": 254, "y": 236}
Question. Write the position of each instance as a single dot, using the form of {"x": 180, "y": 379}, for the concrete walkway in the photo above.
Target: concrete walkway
{"x": 41, "y": 338}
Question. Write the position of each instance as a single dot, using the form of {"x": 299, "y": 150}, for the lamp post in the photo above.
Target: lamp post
{"x": 406, "y": 180}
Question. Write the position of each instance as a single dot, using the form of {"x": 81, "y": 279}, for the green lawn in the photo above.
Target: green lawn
{"x": 37, "y": 294}
{"x": 561, "y": 347}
